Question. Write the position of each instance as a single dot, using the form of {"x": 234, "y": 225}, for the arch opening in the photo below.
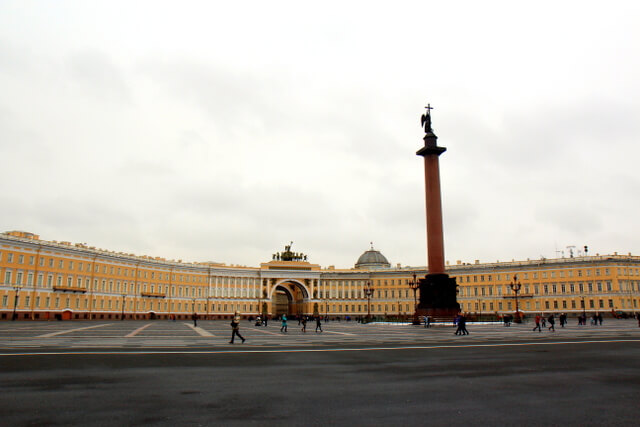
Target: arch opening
{"x": 289, "y": 298}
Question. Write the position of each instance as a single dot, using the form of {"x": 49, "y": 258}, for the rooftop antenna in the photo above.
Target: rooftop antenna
{"x": 559, "y": 252}
{"x": 571, "y": 248}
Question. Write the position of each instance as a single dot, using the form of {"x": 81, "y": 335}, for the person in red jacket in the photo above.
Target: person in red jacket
{"x": 538, "y": 318}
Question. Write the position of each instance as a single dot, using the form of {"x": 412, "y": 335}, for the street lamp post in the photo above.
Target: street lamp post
{"x": 515, "y": 287}
{"x": 368, "y": 291}
{"x": 414, "y": 284}
{"x": 15, "y": 302}
{"x": 123, "y": 297}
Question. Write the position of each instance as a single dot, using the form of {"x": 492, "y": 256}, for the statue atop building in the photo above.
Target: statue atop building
{"x": 288, "y": 255}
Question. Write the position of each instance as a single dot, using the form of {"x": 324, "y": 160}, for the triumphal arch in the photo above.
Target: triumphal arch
{"x": 289, "y": 284}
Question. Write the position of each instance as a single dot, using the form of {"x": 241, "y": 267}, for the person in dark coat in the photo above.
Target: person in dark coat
{"x": 235, "y": 327}
{"x": 552, "y": 322}
{"x": 462, "y": 326}
{"x": 319, "y": 324}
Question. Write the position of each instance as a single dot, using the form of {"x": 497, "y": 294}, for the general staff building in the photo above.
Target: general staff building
{"x": 43, "y": 280}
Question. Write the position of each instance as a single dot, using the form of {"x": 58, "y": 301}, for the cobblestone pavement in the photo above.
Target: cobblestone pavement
{"x": 215, "y": 335}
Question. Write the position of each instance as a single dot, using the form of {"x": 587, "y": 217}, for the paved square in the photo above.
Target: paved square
{"x": 170, "y": 373}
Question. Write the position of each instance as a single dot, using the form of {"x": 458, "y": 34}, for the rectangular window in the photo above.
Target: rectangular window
{"x": 21, "y": 259}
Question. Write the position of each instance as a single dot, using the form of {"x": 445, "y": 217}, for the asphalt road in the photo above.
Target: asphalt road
{"x": 376, "y": 375}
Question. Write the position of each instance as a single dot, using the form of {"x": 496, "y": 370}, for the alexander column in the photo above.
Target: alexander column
{"x": 437, "y": 289}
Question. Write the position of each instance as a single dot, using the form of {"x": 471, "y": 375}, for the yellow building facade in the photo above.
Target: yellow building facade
{"x": 41, "y": 280}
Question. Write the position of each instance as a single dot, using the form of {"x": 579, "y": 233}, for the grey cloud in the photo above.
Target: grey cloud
{"x": 98, "y": 76}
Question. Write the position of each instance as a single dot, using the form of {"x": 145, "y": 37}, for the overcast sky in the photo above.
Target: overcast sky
{"x": 221, "y": 131}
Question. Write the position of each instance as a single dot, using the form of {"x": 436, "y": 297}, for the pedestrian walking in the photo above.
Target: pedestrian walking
{"x": 543, "y": 321}
{"x": 283, "y": 328}
{"x": 538, "y": 318}
{"x": 265, "y": 320}
{"x": 304, "y": 324}
{"x": 462, "y": 327}
{"x": 319, "y": 323}
{"x": 235, "y": 328}
{"x": 552, "y": 323}
{"x": 195, "y": 319}
{"x": 427, "y": 321}
{"x": 463, "y": 321}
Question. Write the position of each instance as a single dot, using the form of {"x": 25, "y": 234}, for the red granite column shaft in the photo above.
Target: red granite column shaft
{"x": 435, "y": 235}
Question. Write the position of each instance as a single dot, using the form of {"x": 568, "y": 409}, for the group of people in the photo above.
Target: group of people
{"x": 541, "y": 322}
{"x": 302, "y": 320}
{"x": 461, "y": 321}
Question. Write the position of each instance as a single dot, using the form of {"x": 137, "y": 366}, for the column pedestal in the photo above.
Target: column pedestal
{"x": 438, "y": 297}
